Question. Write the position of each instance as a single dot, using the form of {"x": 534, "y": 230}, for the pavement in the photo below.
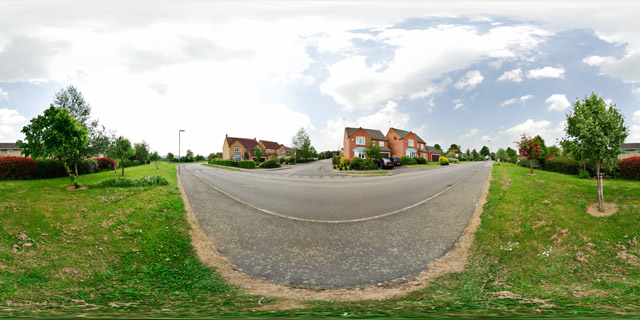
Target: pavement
{"x": 330, "y": 231}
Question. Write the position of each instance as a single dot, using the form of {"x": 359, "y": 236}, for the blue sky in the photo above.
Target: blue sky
{"x": 453, "y": 73}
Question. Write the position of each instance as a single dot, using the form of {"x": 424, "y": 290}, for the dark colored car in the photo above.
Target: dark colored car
{"x": 396, "y": 161}
{"x": 385, "y": 163}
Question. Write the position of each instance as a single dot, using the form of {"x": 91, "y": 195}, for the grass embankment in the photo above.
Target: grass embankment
{"x": 104, "y": 249}
{"x": 221, "y": 167}
{"x": 426, "y": 165}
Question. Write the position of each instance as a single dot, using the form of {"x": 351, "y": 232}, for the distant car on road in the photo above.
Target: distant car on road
{"x": 396, "y": 161}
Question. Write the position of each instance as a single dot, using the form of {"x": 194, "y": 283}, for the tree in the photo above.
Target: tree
{"x": 170, "y": 157}
{"x": 468, "y": 153}
{"x": 475, "y": 155}
{"x": 512, "y": 155}
{"x": 142, "y": 151}
{"x": 121, "y": 149}
{"x": 501, "y": 155}
{"x": 301, "y": 144}
{"x": 372, "y": 151}
{"x": 155, "y": 157}
{"x": 485, "y": 151}
{"x": 212, "y": 156}
{"x": 544, "y": 151}
{"x": 554, "y": 151}
{"x": 454, "y": 148}
{"x": 529, "y": 148}
{"x": 258, "y": 152}
{"x": 189, "y": 156}
{"x": 597, "y": 132}
{"x": 199, "y": 157}
{"x": 55, "y": 134}
{"x": 437, "y": 146}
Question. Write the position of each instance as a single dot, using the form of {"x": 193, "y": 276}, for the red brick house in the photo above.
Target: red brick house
{"x": 356, "y": 141}
{"x": 433, "y": 154}
{"x": 406, "y": 143}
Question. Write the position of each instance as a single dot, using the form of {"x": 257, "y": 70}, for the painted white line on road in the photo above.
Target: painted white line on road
{"x": 334, "y": 221}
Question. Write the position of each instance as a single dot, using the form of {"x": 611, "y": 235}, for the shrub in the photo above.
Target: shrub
{"x": 273, "y": 157}
{"x": 370, "y": 165}
{"x": 248, "y": 164}
{"x": 524, "y": 162}
{"x": 122, "y": 182}
{"x": 281, "y": 160}
{"x": 344, "y": 161}
{"x": 269, "y": 164}
{"x": 421, "y": 160}
{"x": 17, "y": 168}
{"x": 562, "y": 165}
{"x": 407, "y": 160}
{"x": 443, "y": 161}
{"x": 630, "y": 168}
{"x": 105, "y": 163}
{"x": 454, "y": 160}
{"x": 87, "y": 166}
{"x": 289, "y": 160}
{"x": 335, "y": 160}
{"x": 583, "y": 174}
{"x": 356, "y": 164}
{"x": 222, "y": 162}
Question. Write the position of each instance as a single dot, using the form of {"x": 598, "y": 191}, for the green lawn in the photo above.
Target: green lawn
{"x": 428, "y": 164}
{"x": 100, "y": 251}
{"x": 367, "y": 172}
{"x": 221, "y": 167}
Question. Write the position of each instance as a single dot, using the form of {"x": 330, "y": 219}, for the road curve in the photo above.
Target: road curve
{"x": 319, "y": 254}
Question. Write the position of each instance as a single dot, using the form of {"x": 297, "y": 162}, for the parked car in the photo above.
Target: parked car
{"x": 396, "y": 161}
{"x": 385, "y": 163}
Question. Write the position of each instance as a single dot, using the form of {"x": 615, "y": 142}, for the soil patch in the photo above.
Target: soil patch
{"x": 454, "y": 261}
{"x": 609, "y": 209}
{"x": 74, "y": 188}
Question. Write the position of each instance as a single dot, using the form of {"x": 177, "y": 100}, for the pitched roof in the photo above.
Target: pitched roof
{"x": 8, "y": 145}
{"x": 270, "y": 144}
{"x": 433, "y": 149}
{"x": 627, "y": 146}
{"x": 385, "y": 149}
{"x": 375, "y": 134}
{"x": 247, "y": 143}
{"x": 421, "y": 150}
{"x": 404, "y": 133}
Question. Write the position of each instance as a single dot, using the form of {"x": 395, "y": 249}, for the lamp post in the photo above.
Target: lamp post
{"x": 179, "y": 157}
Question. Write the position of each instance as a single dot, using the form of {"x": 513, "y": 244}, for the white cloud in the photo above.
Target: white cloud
{"x": 416, "y": 62}
{"x": 636, "y": 116}
{"x": 546, "y": 72}
{"x": 8, "y": 118}
{"x": 457, "y": 104}
{"x": 514, "y": 75}
{"x": 4, "y": 95}
{"x": 634, "y": 130}
{"x": 626, "y": 68}
{"x": 508, "y": 102}
{"x": 533, "y": 128}
{"x": 380, "y": 120}
{"x": 522, "y": 100}
{"x": 470, "y": 80}
{"x": 470, "y": 134}
{"x": 558, "y": 102}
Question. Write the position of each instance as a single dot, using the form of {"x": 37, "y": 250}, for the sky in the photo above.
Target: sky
{"x": 463, "y": 72}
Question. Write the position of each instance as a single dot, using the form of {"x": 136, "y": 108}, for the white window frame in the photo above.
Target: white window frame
{"x": 10, "y": 151}
{"x": 410, "y": 143}
{"x": 236, "y": 149}
{"x": 361, "y": 141}
{"x": 381, "y": 143}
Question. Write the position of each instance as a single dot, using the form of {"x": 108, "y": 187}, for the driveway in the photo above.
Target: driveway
{"x": 326, "y": 231}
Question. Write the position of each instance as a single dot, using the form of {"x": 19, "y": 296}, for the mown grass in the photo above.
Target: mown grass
{"x": 127, "y": 250}
{"x": 367, "y": 172}
{"x": 428, "y": 164}
{"x": 104, "y": 248}
{"x": 221, "y": 167}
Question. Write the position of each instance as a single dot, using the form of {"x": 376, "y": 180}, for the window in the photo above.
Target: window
{"x": 282, "y": 151}
{"x": 236, "y": 149}
{"x": 410, "y": 143}
{"x": 10, "y": 151}
{"x": 411, "y": 154}
{"x": 360, "y": 140}
{"x": 381, "y": 143}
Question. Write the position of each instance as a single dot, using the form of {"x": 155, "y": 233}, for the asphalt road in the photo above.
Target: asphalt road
{"x": 329, "y": 231}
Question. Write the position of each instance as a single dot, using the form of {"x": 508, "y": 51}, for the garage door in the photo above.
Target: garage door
{"x": 435, "y": 158}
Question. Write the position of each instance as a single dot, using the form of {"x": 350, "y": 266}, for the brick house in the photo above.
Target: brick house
{"x": 237, "y": 149}
{"x": 406, "y": 143}
{"x": 9, "y": 149}
{"x": 356, "y": 141}
{"x": 269, "y": 148}
{"x": 283, "y": 151}
{"x": 629, "y": 150}
{"x": 433, "y": 154}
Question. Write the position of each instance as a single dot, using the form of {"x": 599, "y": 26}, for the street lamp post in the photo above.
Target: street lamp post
{"x": 179, "y": 157}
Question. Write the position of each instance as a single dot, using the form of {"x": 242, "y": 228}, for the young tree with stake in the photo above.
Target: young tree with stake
{"x": 529, "y": 148}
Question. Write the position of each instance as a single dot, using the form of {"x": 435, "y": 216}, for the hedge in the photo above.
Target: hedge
{"x": 248, "y": 164}
{"x": 221, "y": 162}
{"x": 356, "y": 164}
{"x": 407, "y": 160}
{"x": 562, "y": 165}
{"x": 270, "y": 164}
{"x": 444, "y": 161}
{"x": 17, "y": 168}
{"x": 131, "y": 163}
{"x": 420, "y": 160}
{"x": 630, "y": 168}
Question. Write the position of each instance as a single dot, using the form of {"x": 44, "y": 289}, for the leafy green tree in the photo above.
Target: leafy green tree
{"x": 501, "y": 155}
{"x": 598, "y": 132}
{"x": 257, "y": 151}
{"x": 512, "y": 155}
{"x": 154, "y": 156}
{"x": 437, "y": 146}
{"x": 468, "y": 154}
{"x": 475, "y": 155}
{"x": 212, "y": 156}
{"x": 121, "y": 149}
{"x": 484, "y": 151}
{"x": 170, "y": 157}
{"x": 142, "y": 151}
{"x": 554, "y": 151}
{"x": 372, "y": 151}
{"x": 544, "y": 151}
{"x": 529, "y": 148}
{"x": 301, "y": 144}
{"x": 199, "y": 157}
{"x": 189, "y": 156}
{"x": 55, "y": 134}
{"x": 454, "y": 148}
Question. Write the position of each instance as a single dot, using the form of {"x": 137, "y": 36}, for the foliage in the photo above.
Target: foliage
{"x": 257, "y": 151}
{"x": 583, "y": 174}
{"x": 122, "y": 182}
{"x": 484, "y": 151}
{"x": 597, "y": 131}
{"x": 200, "y": 157}
{"x": 529, "y": 148}
{"x": 302, "y": 144}
{"x": 270, "y": 164}
{"x": 454, "y": 148}
{"x": 247, "y": 164}
{"x": 273, "y": 157}
{"x": 17, "y": 168}
{"x": 121, "y": 149}
{"x": 454, "y": 160}
{"x": 49, "y": 169}
{"x": 212, "y": 156}
{"x": 344, "y": 161}
{"x": 289, "y": 160}
{"x": 142, "y": 151}
{"x": 356, "y": 164}
{"x": 105, "y": 163}
{"x": 55, "y": 134}
{"x": 88, "y": 166}
{"x": 373, "y": 151}
{"x": 443, "y": 161}
{"x": 475, "y": 156}
{"x": 369, "y": 165}
{"x": 630, "y": 168}
{"x": 420, "y": 160}
{"x": 437, "y": 146}
{"x": 544, "y": 151}
{"x": 512, "y": 155}
{"x": 531, "y": 164}
{"x": 554, "y": 151}
{"x": 170, "y": 157}
{"x": 335, "y": 160}
{"x": 188, "y": 157}
{"x": 407, "y": 160}
{"x": 154, "y": 156}
{"x": 501, "y": 155}
{"x": 562, "y": 165}
{"x": 221, "y": 162}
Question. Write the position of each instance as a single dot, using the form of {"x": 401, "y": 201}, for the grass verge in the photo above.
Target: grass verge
{"x": 221, "y": 167}
{"x": 428, "y": 164}
{"x": 367, "y": 172}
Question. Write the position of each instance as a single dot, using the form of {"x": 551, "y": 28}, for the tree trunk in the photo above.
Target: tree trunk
{"x": 75, "y": 165}
{"x": 531, "y": 166}
{"x": 122, "y": 165}
{"x": 600, "y": 191}
{"x": 156, "y": 164}
{"x": 74, "y": 180}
